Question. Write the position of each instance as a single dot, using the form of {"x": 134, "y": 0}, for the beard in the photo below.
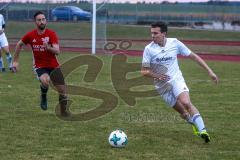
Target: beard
{"x": 42, "y": 26}
{"x": 155, "y": 40}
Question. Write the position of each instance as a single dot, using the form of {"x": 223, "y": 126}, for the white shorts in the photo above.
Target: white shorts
{"x": 171, "y": 90}
{"x": 3, "y": 40}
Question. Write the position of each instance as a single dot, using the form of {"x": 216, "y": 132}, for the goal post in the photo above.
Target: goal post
{"x": 94, "y": 27}
{"x": 99, "y": 25}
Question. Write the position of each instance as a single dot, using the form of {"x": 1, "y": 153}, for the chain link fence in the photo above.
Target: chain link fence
{"x": 175, "y": 14}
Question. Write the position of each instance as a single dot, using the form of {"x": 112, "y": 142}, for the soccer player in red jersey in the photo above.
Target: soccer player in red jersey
{"x": 45, "y": 47}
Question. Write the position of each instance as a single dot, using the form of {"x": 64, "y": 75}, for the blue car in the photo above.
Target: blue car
{"x": 70, "y": 13}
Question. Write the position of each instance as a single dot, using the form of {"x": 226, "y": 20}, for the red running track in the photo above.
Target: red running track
{"x": 193, "y": 42}
{"x": 206, "y": 56}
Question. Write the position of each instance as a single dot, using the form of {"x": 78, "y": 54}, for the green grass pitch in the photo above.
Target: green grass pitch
{"x": 155, "y": 131}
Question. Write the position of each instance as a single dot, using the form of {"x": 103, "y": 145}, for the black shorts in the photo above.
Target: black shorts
{"x": 55, "y": 74}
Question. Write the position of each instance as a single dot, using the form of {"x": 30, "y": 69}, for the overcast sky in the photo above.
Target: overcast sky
{"x": 133, "y": 1}
{"x": 122, "y": 1}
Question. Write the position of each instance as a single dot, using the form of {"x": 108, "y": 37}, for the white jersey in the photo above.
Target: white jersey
{"x": 163, "y": 60}
{"x": 2, "y": 22}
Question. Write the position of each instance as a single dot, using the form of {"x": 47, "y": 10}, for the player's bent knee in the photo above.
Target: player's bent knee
{"x": 45, "y": 81}
{"x": 186, "y": 103}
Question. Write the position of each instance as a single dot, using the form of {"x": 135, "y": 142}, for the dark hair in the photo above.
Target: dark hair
{"x": 161, "y": 25}
{"x": 37, "y": 13}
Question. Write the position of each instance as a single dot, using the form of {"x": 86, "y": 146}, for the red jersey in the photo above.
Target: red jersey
{"x": 41, "y": 57}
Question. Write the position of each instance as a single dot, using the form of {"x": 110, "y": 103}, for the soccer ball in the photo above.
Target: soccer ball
{"x": 118, "y": 138}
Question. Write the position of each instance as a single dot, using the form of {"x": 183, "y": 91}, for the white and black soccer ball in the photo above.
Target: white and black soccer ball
{"x": 118, "y": 138}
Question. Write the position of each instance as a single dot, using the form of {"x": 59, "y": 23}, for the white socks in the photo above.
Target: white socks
{"x": 9, "y": 60}
{"x": 198, "y": 122}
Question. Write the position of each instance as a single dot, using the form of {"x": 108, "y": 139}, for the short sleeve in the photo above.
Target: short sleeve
{"x": 26, "y": 39}
{"x": 54, "y": 38}
{"x": 146, "y": 58}
{"x": 183, "y": 49}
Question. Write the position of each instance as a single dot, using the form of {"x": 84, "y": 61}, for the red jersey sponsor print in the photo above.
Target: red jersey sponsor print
{"x": 42, "y": 57}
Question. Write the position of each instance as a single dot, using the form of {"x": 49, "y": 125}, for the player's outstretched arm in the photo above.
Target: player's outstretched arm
{"x": 145, "y": 71}
{"x": 204, "y": 65}
{"x": 16, "y": 55}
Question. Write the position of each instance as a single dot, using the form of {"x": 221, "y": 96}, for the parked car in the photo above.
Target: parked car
{"x": 70, "y": 13}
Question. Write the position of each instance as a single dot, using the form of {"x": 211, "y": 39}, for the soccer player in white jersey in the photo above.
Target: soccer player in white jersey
{"x": 160, "y": 62}
{"x": 4, "y": 46}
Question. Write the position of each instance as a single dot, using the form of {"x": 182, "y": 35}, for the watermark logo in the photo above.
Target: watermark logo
{"x": 142, "y": 117}
{"x": 123, "y": 46}
{"x": 120, "y": 67}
